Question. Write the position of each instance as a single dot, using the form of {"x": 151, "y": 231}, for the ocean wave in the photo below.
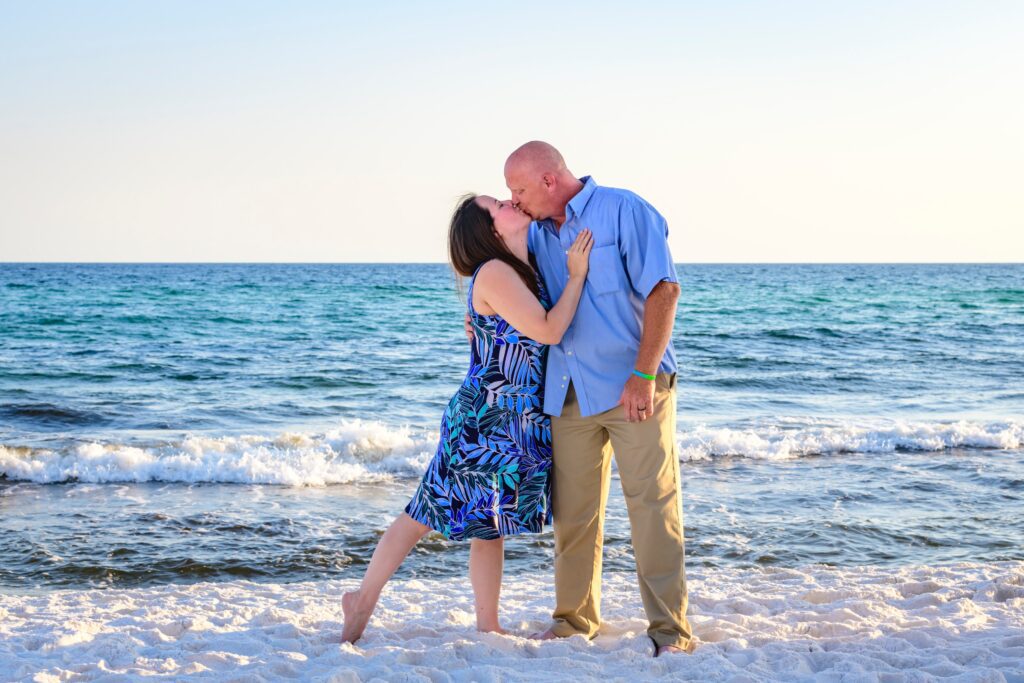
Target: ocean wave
{"x": 51, "y": 415}
{"x": 367, "y": 451}
{"x": 356, "y": 451}
{"x": 784, "y": 438}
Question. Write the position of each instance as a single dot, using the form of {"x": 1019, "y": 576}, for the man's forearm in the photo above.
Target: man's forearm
{"x": 659, "y": 317}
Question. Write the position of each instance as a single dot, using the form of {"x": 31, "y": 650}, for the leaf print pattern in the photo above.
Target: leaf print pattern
{"x": 490, "y": 476}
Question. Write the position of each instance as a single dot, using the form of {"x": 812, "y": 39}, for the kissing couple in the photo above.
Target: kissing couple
{"x": 571, "y": 301}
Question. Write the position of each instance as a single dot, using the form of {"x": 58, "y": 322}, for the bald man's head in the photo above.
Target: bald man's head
{"x": 537, "y": 156}
{"x": 540, "y": 182}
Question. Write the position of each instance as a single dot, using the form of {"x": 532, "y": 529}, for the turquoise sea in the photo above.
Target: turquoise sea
{"x": 172, "y": 423}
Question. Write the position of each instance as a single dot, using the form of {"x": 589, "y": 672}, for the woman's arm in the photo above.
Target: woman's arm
{"x": 501, "y": 289}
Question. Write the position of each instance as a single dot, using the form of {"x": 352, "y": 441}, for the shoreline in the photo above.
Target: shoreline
{"x": 965, "y": 620}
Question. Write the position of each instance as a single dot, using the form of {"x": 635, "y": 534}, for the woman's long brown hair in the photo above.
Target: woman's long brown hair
{"x": 472, "y": 242}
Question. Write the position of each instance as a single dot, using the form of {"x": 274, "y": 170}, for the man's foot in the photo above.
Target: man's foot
{"x": 548, "y": 634}
{"x": 356, "y": 617}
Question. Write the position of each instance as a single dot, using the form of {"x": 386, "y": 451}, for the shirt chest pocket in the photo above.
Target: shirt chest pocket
{"x": 606, "y": 274}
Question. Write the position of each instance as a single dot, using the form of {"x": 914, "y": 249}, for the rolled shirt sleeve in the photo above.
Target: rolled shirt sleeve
{"x": 643, "y": 243}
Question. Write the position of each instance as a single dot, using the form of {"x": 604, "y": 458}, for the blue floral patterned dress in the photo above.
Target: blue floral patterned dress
{"x": 490, "y": 475}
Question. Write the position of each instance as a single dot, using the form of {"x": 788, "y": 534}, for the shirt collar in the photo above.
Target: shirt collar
{"x": 578, "y": 202}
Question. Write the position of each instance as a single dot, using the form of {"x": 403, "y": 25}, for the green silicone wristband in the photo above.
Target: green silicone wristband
{"x": 650, "y": 378}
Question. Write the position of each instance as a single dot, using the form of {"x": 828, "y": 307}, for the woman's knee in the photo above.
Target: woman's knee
{"x": 414, "y": 526}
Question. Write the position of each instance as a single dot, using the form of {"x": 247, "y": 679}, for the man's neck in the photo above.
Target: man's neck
{"x": 574, "y": 189}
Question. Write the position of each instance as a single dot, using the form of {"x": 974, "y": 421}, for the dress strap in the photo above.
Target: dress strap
{"x": 469, "y": 297}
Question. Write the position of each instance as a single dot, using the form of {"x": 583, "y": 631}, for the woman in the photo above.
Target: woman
{"x": 489, "y": 477}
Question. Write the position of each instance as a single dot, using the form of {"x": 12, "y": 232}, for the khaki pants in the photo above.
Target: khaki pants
{"x": 649, "y": 470}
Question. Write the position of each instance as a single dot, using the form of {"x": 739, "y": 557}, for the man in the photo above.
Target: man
{"x": 610, "y": 382}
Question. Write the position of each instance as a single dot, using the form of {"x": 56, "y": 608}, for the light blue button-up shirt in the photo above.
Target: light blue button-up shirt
{"x": 630, "y": 256}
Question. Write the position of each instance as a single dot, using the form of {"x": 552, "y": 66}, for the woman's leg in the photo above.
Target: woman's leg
{"x": 486, "y": 559}
{"x": 403, "y": 534}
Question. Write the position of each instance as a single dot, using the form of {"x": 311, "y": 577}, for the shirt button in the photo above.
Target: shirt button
{"x": 570, "y": 353}
{"x": 563, "y": 386}
{"x": 564, "y": 377}
{"x": 567, "y": 251}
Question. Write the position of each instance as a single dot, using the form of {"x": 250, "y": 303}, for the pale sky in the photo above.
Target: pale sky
{"x": 341, "y": 131}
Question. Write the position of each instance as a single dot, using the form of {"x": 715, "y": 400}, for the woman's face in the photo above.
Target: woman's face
{"x": 508, "y": 220}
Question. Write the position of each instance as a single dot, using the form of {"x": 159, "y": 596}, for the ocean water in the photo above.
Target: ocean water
{"x": 175, "y": 423}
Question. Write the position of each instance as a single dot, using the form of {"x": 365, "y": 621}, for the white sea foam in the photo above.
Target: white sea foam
{"x": 354, "y": 451}
{"x": 364, "y": 451}
{"x": 783, "y": 438}
{"x": 963, "y": 622}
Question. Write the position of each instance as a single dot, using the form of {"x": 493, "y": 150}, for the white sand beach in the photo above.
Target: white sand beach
{"x": 961, "y": 622}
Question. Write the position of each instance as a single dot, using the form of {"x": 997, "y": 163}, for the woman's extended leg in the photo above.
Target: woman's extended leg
{"x": 486, "y": 559}
{"x": 403, "y": 534}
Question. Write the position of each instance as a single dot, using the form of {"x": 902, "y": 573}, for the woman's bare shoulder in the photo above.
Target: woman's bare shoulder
{"x": 497, "y": 281}
{"x": 495, "y": 273}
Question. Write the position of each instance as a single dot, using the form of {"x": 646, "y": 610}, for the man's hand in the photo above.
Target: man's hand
{"x": 636, "y": 395}
{"x": 659, "y": 314}
{"x": 469, "y": 329}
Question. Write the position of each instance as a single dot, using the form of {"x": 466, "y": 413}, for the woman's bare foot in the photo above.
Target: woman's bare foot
{"x": 492, "y": 629}
{"x": 356, "y": 617}
{"x": 672, "y": 649}
{"x": 544, "y": 635}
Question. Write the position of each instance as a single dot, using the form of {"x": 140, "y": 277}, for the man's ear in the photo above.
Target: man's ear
{"x": 548, "y": 179}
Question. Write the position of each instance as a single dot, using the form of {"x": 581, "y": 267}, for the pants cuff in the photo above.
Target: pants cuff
{"x": 662, "y": 639}
{"x": 563, "y": 629}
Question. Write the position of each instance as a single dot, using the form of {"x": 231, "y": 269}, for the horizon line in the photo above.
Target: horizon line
{"x": 445, "y": 263}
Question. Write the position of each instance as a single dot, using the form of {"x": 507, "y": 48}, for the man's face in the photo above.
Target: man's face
{"x": 529, "y": 191}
